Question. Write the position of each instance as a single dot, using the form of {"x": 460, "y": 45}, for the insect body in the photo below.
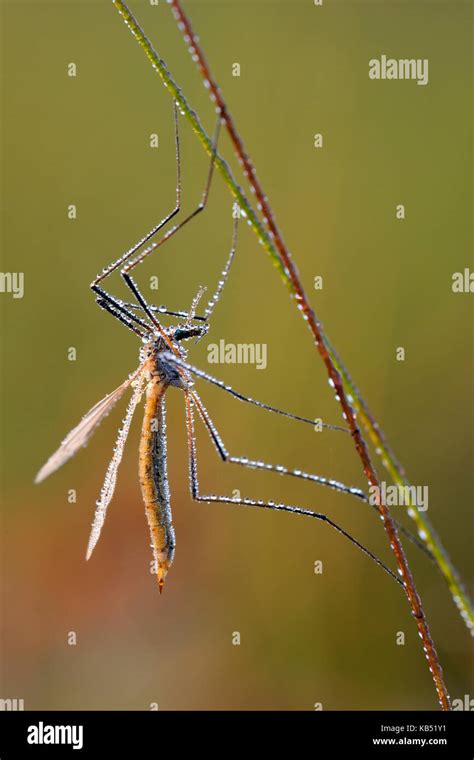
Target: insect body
{"x": 164, "y": 364}
{"x": 153, "y": 468}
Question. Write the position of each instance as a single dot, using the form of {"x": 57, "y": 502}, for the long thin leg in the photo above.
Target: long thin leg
{"x": 116, "y": 307}
{"x": 130, "y": 265}
{"x": 194, "y": 305}
{"x": 175, "y": 360}
{"x": 164, "y": 310}
{"x": 126, "y": 269}
{"x": 190, "y": 316}
{"x": 281, "y": 470}
{"x": 224, "y": 274}
{"x": 259, "y": 465}
{"x": 106, "y": 297}
{"x": 104, "y": 304}
{"x": 131, "y": 251}
{"x": 197, "y": 496}
{"x": 200, "y": 207}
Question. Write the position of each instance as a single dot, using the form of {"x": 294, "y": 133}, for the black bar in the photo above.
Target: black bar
{"x": 309, "y": 734}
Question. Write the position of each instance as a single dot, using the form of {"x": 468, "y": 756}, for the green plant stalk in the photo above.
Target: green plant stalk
{"x": 425, "y": 530}
{"x": 426, "y": 533}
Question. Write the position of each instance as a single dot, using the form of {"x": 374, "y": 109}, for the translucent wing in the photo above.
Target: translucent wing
{"x": 82, "y": 433}
{"x": 111, "y": 475}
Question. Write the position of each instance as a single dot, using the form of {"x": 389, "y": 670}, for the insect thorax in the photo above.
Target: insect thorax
{"x": 154, "y": 354}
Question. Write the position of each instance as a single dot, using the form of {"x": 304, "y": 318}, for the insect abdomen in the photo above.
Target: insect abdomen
{"x": 153, "y": 473}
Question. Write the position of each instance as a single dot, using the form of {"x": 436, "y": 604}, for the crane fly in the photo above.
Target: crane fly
{"x": 163, "y": 365}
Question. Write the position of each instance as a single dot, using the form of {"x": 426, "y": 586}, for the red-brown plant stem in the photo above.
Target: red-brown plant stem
{"x": 319, "y": 337}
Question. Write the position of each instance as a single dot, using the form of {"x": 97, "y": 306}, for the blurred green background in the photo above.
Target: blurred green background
{"x": 305, "y": 638}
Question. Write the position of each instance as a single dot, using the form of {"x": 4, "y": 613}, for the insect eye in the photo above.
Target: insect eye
{"x": 184, "y": 333}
